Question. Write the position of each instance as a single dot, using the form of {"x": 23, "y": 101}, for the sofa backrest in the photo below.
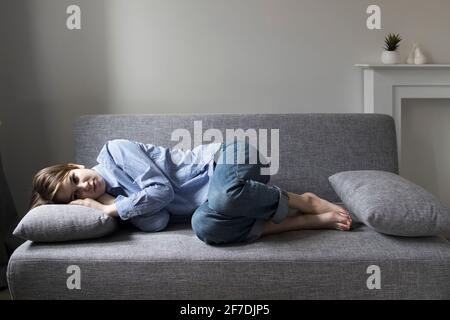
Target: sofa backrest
{"x": 311, "y": 146}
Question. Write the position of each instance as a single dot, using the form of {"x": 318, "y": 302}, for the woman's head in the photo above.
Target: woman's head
{"x": 63, "y": 183}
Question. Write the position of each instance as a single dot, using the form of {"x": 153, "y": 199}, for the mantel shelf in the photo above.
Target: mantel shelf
{"x": 402, "y": 66}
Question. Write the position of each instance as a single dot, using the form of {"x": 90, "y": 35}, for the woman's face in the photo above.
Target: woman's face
{"x": 81, "y": 183}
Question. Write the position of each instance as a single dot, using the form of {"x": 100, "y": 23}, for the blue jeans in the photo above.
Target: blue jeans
{"x": 239, "y": 199}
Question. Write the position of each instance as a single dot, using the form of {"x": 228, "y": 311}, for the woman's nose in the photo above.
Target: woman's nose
{"x": 84, "y": 186}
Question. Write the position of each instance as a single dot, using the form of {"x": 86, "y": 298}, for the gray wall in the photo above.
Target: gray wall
{"x": 181, "y": 56}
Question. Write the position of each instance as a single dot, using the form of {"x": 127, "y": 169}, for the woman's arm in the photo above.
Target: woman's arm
{"x": 106, "y": 198}
{"x": 155, "y": 189}
{"x": 104, "y": 203}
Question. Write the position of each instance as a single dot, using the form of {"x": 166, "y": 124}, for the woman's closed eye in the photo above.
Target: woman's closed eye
{"x": 74, "y": 180}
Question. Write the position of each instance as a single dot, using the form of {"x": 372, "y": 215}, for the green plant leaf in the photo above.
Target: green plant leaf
{"x": 392, "y": 41}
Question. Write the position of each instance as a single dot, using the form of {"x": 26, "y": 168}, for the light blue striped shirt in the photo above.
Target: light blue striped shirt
{"x": 153, "y": 184}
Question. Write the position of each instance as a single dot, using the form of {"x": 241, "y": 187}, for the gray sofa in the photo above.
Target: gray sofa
{"x": 309, "y": 264}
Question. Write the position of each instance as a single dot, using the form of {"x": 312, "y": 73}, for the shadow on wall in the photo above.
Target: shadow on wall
{"x": 425, "y": 151}
{"x": 53, "y": 75}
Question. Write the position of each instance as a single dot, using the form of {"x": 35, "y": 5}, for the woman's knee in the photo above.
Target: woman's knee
{"x": 210, "y": 230}
{"x": 202, "y": 227}
{"x": 226, "y": 199}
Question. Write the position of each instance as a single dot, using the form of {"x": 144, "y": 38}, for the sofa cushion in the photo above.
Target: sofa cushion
{"x": 391, "y": 204}
{"x": 175, "y": 264}
{"x": 50, "y": 223}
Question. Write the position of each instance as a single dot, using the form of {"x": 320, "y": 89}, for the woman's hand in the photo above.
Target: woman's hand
{"x": 108, "y": 209}
{"x": 106, "y": 199}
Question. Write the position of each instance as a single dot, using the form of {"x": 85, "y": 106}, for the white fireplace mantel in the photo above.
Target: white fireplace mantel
{"x": 386, "y": 86}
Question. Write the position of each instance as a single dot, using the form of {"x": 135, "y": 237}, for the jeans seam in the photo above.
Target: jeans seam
{"x": 279, "y": 216}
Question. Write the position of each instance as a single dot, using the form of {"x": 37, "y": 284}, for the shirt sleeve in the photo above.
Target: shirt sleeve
{"x": 155, "y": 189}
{"x": 151, "y": 222}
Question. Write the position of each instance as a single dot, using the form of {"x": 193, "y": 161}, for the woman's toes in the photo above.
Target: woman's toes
{"x": 342, "y": 220}
{"x": 340, "y": 216}
{"x": 343, "y": 213}
{"x": 347, "y": 215}
{"x": 342, "y": 226}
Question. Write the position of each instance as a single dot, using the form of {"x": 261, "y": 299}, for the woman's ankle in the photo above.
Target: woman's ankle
{"x": 303, "y": 202}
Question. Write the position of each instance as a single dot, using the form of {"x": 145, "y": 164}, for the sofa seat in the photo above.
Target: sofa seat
{"x": 174, "y": 264}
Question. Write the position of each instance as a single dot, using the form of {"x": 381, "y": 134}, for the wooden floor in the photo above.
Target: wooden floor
{"x": 4, "y": 294}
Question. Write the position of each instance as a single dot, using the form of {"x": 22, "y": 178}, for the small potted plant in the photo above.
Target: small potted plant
{"x": 390, "y": 54}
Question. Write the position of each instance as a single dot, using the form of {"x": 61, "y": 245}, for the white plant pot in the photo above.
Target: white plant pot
{"x": 390, "y": 57}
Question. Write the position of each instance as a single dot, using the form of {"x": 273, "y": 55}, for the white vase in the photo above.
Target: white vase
{"x": 390, "y": 57}
{"x": 419, "y": 57}
{"x": 412, "y": 55}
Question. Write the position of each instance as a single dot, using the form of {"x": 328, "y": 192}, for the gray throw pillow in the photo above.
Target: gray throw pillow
{"x": 390, "y": 204}
{"x": 52, "y": 223}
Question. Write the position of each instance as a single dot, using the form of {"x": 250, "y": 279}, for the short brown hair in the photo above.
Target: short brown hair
{"x": 46, "y": 183}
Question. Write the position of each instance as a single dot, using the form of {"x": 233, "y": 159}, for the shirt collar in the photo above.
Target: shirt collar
{"x": 110, "y": 180}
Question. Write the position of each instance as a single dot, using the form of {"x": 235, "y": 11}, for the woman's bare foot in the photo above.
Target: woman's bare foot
{"x": 327, "y": 220}
{"x": 311, "y": 203}
{"x": 298, "y": 221}
{"x": 322, "y": 205}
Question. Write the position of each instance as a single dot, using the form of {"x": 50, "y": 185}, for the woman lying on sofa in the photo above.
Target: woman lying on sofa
{"x": 215, "y": 185}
